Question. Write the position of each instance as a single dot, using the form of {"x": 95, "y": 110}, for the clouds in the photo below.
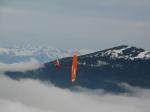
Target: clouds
{"x": 21, "y": 66}
{"x": 12, "y": 106}
{"x": 75, "y": 24}
{"x": 35, "y": 96}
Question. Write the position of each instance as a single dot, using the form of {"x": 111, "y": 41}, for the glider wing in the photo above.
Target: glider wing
{"x": 74, "y": 67}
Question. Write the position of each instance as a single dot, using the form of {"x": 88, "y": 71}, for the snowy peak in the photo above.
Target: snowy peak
{"x": 40, "y": 53}
{"x": 127, "y": 52}
{"x": 47, "y": 54}
{"x": 114, "y": 57}
{"x": 124, "y": 52}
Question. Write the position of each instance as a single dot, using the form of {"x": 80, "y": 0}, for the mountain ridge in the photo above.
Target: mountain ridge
{"x": 96, "y": 71}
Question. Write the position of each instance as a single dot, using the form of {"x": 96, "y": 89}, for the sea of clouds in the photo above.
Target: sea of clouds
{"x": 29, "y": 95}
{"x": 35, "y": 96}
{"x": 23, "y": 66}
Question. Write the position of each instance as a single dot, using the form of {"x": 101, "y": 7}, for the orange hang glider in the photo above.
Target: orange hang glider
{"x": 74, "y": 67}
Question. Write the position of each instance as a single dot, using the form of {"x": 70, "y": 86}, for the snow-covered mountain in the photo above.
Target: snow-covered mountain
{"x": 47, "y": 54}
{"x": 105, "y": 69}
{"x": 42, "y": 54}
{"x": 117, "y": 54}
{"x": 123, "y": 52}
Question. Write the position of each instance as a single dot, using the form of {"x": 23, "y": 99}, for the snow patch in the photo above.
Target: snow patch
{"x": 144, "y": 55}
{"x": 98, "y": 64}
{"x": 118, "y": 54}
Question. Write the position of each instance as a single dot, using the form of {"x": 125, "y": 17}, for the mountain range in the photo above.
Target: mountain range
{"x": 42, "y": 54}
{"x": 108, "y": 69}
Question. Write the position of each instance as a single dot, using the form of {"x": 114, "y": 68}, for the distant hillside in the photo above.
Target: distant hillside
{"x": 105, "y": 69}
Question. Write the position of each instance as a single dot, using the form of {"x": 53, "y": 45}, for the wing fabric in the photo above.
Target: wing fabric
{"x": 74, "y": 67}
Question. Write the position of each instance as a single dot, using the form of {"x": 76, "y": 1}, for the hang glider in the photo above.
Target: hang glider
{"x": 57, "y": 64}
{"x": 74, "y": 67}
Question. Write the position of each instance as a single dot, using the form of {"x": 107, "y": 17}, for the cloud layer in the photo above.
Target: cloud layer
{"x": 32, "y": 64}
{"x": 34, "y": 96}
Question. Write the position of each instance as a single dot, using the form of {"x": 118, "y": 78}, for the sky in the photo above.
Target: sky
{"x": 75, "y": 24}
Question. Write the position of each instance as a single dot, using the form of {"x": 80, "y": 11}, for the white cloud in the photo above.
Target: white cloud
{"x": 21, "y": 66}
{"x": 34, "y": 96}
{"x": 12, "y": 106}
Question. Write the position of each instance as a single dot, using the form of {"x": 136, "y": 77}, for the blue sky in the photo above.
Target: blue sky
{"x": 75, "y": 24}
